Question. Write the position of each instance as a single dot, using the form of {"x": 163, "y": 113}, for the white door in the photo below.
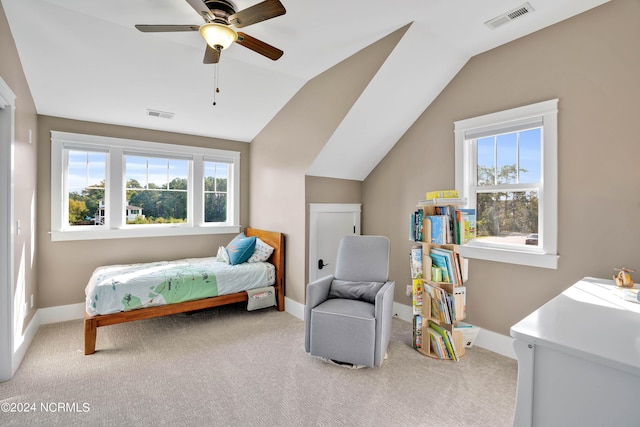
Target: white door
{"x": 328, "y": 223}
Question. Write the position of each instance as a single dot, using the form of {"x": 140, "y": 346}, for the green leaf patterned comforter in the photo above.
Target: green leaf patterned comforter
{"x": 127, "y": 287}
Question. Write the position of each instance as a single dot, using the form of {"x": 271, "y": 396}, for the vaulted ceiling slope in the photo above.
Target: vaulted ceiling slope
{"x": 84, "y": 60}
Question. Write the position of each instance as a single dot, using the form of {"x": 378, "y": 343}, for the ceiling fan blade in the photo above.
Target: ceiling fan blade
{"x": 202, "y": 9}
{"x": 166, "y": 28}
{"x": 211, "y": 55}
{"x": 259, "y": 46}
{"x": 257, "y": 13}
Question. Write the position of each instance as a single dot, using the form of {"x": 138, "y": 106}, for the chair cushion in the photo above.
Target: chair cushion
{"x": 363, "y": 291}
{"x": 344, "y": 330}
{"x": 363, "y": 258}
{"x": 345, "y": 307}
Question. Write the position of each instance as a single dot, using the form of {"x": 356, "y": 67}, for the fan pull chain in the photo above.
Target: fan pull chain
{"x": 216, "y": 77}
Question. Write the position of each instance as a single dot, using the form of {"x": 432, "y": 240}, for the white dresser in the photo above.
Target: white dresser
{"x": 579, "y": 359}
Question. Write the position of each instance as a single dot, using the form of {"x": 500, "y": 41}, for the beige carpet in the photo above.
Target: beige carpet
{"x": 230, "y": 367}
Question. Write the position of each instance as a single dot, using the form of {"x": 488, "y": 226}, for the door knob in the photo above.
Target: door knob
{"x": 321, "y": 264}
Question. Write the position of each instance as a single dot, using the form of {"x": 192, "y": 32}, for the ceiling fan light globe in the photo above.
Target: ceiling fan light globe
{"x": 218, "y": 36}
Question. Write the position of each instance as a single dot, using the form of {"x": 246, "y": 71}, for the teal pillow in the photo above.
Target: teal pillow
{"x": 241, "y": 248}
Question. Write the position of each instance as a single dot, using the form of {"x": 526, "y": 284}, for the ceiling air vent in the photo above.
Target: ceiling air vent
{"x": 509, "y": 16}
{"x": 160, "y": 114}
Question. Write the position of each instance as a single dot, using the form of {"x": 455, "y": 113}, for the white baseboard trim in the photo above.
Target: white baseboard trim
{"x": 487, "y": 339}
{"x": 496, "y": 342}
{"x": 294, "y": 308}
{"x": 61, "y": 313}
{"x": 22, "y": 347}
{"x": 403, "y": 312}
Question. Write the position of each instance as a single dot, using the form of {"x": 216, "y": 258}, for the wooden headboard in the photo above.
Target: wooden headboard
{"x": 275, "y": 240}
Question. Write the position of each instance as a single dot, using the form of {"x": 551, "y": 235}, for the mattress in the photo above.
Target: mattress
{"x": 116, "y": 288}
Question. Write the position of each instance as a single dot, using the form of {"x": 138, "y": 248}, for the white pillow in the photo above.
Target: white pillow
{"x": 261, "y": 253}
{"x": 223, "y": 256}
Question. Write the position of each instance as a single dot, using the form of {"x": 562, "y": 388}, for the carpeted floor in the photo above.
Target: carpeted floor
{"x": 230, "y": 367}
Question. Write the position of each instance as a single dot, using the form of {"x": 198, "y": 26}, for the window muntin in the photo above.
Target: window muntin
{"x": 167, "y": 169}
{"x": 508, "y": 160}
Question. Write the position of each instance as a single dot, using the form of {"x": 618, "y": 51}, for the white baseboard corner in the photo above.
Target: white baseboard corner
{"x": 23, "y": 343}
{"x": 294, "y": 308}
{"x": 43, "y": 316}
{"x": 487, "y": 339}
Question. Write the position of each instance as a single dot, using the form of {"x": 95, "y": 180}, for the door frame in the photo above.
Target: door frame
{"x": 7, "y": 138}
{"x": 319, "y": 208}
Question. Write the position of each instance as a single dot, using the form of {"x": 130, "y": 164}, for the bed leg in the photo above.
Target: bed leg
{"x": 90, "y": 331}
{"x": 280, "y": 297}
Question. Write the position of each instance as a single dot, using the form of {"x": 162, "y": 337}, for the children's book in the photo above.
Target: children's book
{"x": 416, "y": 263}
{"x": 439, "y": 229}
{"x": 466, "y": 225}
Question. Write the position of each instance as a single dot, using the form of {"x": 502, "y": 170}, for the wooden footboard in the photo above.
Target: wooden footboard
{"x": 274, "y": 239}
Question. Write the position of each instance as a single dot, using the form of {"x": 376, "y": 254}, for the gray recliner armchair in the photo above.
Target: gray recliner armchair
{"x": 348, "y": 314}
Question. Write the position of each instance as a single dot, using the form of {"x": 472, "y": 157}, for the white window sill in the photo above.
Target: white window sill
{"x": 510, "y": 256}
{"x": 99, "y": 233}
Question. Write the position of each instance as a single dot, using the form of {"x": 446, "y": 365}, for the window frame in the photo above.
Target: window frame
{"x": 546, "y": 113}
{"x": 117, "y": 149}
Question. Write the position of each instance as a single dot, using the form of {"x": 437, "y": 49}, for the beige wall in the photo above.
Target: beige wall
{"x": 283, "y": 152}
{"x": 65, "y": 267}
{"x": 26, "y": 256}
{"x": 592, "y": 64}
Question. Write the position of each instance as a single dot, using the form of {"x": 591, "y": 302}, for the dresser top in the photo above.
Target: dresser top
{"x": 587, "y": 320}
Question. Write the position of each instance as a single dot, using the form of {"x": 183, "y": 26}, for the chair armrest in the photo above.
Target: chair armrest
{"x": 383, "y": 296}
{"x": 317, "y": 292}
{"x": 384, "y": 315}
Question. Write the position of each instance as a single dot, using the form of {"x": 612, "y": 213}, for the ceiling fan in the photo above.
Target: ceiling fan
{"x": 219, "y": 17}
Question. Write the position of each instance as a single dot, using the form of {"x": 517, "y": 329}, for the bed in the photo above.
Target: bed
{"x": 160, "y": 299}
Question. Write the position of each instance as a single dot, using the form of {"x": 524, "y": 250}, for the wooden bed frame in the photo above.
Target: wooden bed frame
{"x": 272, "y": 238}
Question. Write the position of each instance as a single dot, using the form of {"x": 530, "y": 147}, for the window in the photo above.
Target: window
{"x": 216, "y": 177}
{"x": 506, "y": 168}
{"x": 157, "y": 190}
{"x": 112, "y": 188}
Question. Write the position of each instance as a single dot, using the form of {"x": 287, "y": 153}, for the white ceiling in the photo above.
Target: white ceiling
{"x": 83, "y": 59}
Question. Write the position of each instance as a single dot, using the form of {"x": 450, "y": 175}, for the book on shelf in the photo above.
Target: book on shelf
{"x": 417, "y": 331}
{"x": 416, "y": 263}
{"x": 439, "y": 228}
{"x": 452, "y": 352}
{"x": 440, "y": 262}
{"x": 466, "y": 225}
{"x": 416, "y": 226}
{"x": 440, "y": 304}
{"x": 442, "y": 194}
{"x": 449, "y": 211}
{"x": 436, "y": 274}
{"x": 416, "y": 298}
{"x": 452, "y": 264}
{"x": 437, "y": 344}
